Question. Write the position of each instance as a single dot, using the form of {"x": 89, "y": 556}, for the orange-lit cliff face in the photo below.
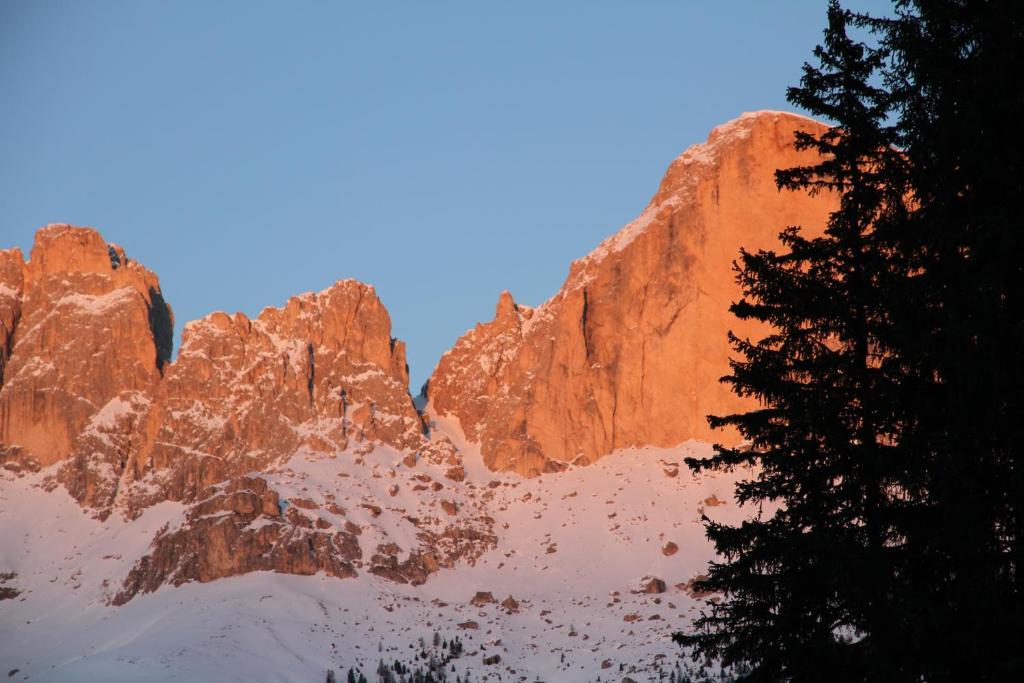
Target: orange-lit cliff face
{"x": 320, "y": 373}
{"x": 312, "y": 397}
{"x": 82, "y": 324}
{"x": 630, "y": 350}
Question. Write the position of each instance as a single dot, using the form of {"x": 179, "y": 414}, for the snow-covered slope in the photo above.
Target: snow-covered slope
{"x": 574, "y": 550}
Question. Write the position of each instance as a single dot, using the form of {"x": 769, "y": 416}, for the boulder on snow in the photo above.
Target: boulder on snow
{"x": 652, "y": 585}
{"x": 482, "y": 598}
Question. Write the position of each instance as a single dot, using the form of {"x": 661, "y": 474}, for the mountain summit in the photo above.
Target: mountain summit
{"x": 629, "y": 351}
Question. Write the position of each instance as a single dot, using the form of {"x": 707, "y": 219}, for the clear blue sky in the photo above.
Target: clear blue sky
{"x": 441, "y": 151}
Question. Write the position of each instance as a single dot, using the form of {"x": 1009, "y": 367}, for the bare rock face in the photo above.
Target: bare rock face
{"x": 82, "y": 326}
{"x": 320, "y": 373}
{"x": 631, "y": 349}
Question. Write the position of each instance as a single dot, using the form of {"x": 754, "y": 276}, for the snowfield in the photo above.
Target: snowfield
{"x": 574, "y": 551}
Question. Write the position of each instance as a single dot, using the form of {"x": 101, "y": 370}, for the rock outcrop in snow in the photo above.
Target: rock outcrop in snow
{"x": 630, "y": 351}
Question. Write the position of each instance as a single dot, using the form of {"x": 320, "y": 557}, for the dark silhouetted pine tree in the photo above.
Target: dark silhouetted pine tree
{"x": 814, "y": 572}
{"x": 887, "y": 443}
{"x": 957, "y": 78}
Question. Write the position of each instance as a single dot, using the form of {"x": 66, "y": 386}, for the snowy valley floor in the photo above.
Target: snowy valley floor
{"x": 574, "y": 550}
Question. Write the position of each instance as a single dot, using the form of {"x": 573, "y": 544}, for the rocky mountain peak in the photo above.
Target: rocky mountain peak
{"x": 630, "y": 350}
{"x": 506, "y": 308}
{"x": 60, "y": 248}
{"x": 83, "y": 325}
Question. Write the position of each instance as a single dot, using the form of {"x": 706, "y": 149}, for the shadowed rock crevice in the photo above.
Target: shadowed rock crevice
{"x": 161, "y": 326}
{"x": 310, "y": 371}
{"x": 12, "y": 275}
{"x": 583, "y": 325}
{"x": 7, "y": 332}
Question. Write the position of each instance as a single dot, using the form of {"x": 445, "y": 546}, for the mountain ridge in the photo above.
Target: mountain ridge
{"x": 277, "y": 448}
